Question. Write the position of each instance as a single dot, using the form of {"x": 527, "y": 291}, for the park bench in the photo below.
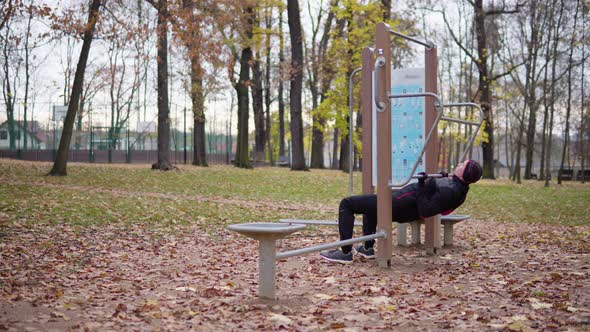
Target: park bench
{"x": 448, "y": 222}
{"x": 585, "y": 175}
{"x": 566, "y": 174}
{"x": 283, "y": 161}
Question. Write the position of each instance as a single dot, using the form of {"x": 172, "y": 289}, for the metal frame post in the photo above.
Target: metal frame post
{"x": 350, "y": 128}
{"x": 367, "y": 115}
{"x": 384, "y": 199}
{"x": 432, "y": 224}
{"x": 267, "y": 268}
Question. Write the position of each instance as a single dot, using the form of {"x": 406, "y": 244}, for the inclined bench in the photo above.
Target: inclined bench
{"x": 448, "y": 222}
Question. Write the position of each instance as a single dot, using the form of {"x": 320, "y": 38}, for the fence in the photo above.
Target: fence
{"x": 117, "y": 156}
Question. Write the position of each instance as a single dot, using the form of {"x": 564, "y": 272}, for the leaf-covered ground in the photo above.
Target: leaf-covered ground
{"x": 95, "y": 252}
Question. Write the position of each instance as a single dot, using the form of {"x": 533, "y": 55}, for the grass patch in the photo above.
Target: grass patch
{"x": 132, "y": 199}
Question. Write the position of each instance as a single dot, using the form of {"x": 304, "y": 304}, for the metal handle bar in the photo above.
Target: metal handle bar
{"x": 432, "y": 175}
{"x": 350, "y": 140}
{"x": 472, "y": 123}
{"x": 428, "y": 44}
{"x": 438, "y": 105}
{"x": 379, "y": 62}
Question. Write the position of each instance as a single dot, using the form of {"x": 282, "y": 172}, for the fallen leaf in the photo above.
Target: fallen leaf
{"x": 282, "y": 319}
{"x": 380, "y": 300}
{"x": 60, "y": 314}
{"x": 536, "y": 304}
{"x": 324, "y": 296}
{"x": 330, "y": 280}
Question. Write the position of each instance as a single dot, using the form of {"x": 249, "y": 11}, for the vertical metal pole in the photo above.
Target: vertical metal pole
{"x": 266, "y": 268}
{"x": 432, "y": 225}
{"x": 350, "y": 129}
{"x": 384, "y": 213}
{"x": 367, "y": 105}
{"x": 350, "y": 134}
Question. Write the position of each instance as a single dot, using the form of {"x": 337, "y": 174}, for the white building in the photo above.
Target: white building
{"x": 35, "y": 136}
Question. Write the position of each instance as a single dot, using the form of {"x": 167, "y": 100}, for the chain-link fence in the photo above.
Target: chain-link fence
{"x": 37, "y": 139}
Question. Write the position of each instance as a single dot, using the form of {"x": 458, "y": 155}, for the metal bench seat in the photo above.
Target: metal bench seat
{"x": 447, "y": 222}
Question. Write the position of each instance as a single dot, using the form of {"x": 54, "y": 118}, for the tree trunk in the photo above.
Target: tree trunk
{"x": 569, "y": 94}
{"x": 533, "y": 49}
{"x": 519, "y": 148}
{"x": 485, "y": 92}
{"x": 198, "y": 100}
{"x": 319, "y": 77}
{"x": 552, "y": 94}
{"x": 242, "y": 158}
{"x": 257, "y": 108}
{"x": 386, "y": 9}
{"x": 583, "y": 105}
{"x": 296, "y": 85}
{"x": 335, "y": 144}
{"x": 27, "y": 79}
{"x": 163, "y": 162}
{"x": 8, "y": 96}
{"x": 60, "y": 165}
{"x": 345, "y": 141}
{"x": 192, "y": 44}
{"x": 542, "y": 170}
{"x": 344, "y": 144}
{"x": 281, "y": 98}
{"x": 267, "y": 100}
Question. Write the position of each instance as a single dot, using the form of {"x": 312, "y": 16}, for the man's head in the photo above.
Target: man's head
{"x": 468, "y": 171}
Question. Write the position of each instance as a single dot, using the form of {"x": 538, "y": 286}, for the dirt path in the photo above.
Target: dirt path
{"x": 498, "y": 276}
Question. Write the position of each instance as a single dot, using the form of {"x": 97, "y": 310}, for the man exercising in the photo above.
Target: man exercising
{"x": 415, "y": 201}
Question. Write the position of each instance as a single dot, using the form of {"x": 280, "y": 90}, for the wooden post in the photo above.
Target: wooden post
{"x": 368, "y": 62}
{"x": 384, "y": 200}
{"x": 432, "y": 225}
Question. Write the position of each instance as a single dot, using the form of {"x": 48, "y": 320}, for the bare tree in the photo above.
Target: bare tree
{"x": 60, "y": 165}
{"x": 316, "y": 76}
{"x": 481, "y": 61}
{"x": 281, "y": 98}
{"x": 556, "y": 26}
{"x": 163, "y": 162}
{"x": 566, "y": 134}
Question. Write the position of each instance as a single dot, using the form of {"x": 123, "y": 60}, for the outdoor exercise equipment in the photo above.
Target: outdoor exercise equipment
{"x": 267, "y": 234}
{"x": 416, "y": 98}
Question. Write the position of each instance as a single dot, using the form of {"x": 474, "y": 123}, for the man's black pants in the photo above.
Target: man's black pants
{"x": 367, "y": 206}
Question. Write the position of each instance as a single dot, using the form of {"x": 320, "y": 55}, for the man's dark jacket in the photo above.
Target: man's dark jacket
{"x": 437, "y": 195}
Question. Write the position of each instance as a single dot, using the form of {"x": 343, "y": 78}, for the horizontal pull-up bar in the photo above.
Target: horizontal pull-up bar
{"x": 426, "y": 176}
{"x": 428, "y": 44}
{"x": 287, "y": 254}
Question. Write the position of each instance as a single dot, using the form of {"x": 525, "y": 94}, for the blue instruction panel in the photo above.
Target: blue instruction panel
{"x": 407, "y": 123}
